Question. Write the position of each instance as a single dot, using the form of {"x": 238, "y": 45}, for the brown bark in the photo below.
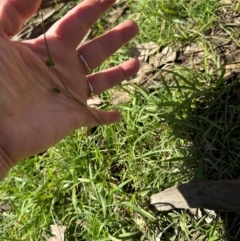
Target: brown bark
{"x": 216, "y": 195}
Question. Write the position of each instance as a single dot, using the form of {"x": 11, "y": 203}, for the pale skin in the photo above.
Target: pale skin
{"x": 33, "y": 117}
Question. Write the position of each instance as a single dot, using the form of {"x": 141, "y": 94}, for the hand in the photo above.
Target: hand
{"x": 33, "y": 116}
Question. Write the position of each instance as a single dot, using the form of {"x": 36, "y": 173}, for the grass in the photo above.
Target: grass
{"x": 185, "y": 127}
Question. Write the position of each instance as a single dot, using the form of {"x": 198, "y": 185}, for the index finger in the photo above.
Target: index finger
{"x": 14, "y": 13}
{"x": 75, "y": 24}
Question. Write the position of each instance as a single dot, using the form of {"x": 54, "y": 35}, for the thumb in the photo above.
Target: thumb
{"x": 14, "y": 13}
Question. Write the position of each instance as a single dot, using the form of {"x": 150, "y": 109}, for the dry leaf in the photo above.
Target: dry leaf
{"x": 95, "y": 102}
{"x": 144, "y": 51}
{"x": 120, "y": 97}
{"x": 143, "y": 73}
{"x": 5, "y": 207}
{"x": 166, "y": 56}
{"x": 57, "y": 232}
{"x": 145, "y": 68}
{"x": 117, "y": 12}
{"x": 231, "y": 66}
{"x": 227, "y": 2}
{"x": 192, "y": 48}
{"x": 193, "y": 54}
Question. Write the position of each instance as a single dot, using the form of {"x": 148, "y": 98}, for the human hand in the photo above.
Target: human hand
{"x": 33, "y": 116}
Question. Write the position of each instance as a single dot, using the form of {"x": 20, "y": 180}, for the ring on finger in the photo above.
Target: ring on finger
{"x": 88, "y": 69}
{"x": 91, "y": 89}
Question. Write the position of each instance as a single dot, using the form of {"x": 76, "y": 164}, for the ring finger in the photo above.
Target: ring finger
{"x": 105, "y": 80}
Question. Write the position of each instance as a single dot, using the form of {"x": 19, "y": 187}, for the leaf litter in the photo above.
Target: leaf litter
{"x": 57, "y": 233}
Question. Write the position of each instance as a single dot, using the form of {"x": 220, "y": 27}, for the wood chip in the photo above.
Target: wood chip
{"x": 221, "y": 195}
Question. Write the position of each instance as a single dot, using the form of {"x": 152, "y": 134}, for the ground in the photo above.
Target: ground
{"x": 180, "y": 122}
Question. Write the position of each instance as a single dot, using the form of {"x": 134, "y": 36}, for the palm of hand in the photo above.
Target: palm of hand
{"x": 34, "y": 116}
{"x": 32, "y": 112}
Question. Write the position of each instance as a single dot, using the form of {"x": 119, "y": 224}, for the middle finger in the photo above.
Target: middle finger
{"x": 74, "y": 25}
{"x": 99, "y": 49}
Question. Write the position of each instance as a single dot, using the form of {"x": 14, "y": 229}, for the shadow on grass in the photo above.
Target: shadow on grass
{"x": 212, "y": 127}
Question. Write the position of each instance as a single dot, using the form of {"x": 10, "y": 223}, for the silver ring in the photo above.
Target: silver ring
{"x": 88, "y": 69}
{"x": 91, "y": 89}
